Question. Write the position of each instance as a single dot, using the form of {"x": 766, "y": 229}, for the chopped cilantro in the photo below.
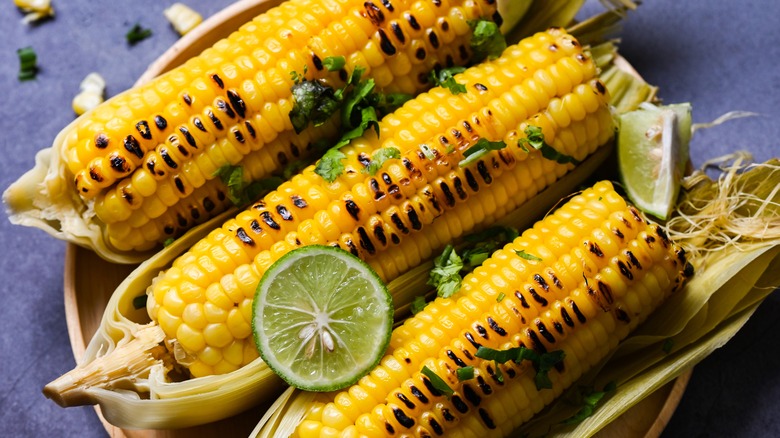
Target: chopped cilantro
{"x": 482, "y": 147}
{"x": 590, "y": 399}
{"x": 351, "y": 109}
{"x": 314, "y": 102}
{"x": 500, "y": 297}
{"x": 168, "y": 242}
{"x": 418, "y": 304}
{"x": 542, "y": 363}
{"x": 139, "y": 302}
{"x": 527, "y": 256}
{"x": 137, "y": 34}
{"x": 334, "y": 63}
{"x": 241, "y": 192}
{"x": 445, "y": 78}
{"x": 465, "y": 373}
{"x": 499, "y": 374}
{"x": 368, "y": 119}
{"x": 379, "y": 157}
{"x": 486, "y": 40}
{"x": 28, "y": 63}
{"x": 445, "y": 275}
{"x": 438, "y": 383}
{"x": 329, "y": 167}
{"x": 387, "y": 103}
{"x": 534, "y": 137}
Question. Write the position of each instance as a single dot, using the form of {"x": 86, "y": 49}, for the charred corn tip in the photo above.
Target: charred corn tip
{"x": 598, "y": 270}
{"x": 410, "y": 208}
{"x": 182, "y": 17}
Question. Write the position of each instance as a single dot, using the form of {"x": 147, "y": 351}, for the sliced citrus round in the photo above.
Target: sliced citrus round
{"x": 322, "y": 318}
{"x": 652, "y": 155}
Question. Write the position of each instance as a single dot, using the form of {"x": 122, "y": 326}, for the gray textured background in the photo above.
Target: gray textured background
{"x": 720, "y": 55}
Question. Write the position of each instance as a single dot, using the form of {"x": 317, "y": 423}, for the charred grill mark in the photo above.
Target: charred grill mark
{"x": 574, "y": 308}
{"x": 195, "y": 213}
{"x": 463, "y": 53}
{"x": 414, "y": 219}
{"x": 168, "y": 229}
{"x": 150, "y": 164}
{"x": 481, "y": 331}
{"x": 437, "y": 429}
{"x": 555, "y": 280}
{"x": 379, "y": 233}
{"x": 182, "y": 150}
{"x": 544, "y": 331}
{"x": 268, "y": 220}
{"x": 199, "y": 124}
{"x": 485, "y": 416}
{"x": 388, "y": 5}
{"x": 433, "y": 38}
{"x": 127, "y": 196}
{"x": 317, "y": 62}
{"x": 143, "y": 129}
{"x": 395, "y": 239}
{"x": 650, "y": 240}
{"x": 255, "y": 226}
{"x": 364, "y": 159}
{"x": 365, "y": 241}
{"x": 635, "y": 214}
{"x": 243, "y": 237}
{"x": 398, "y": 32}
{"x": 632, "y": 258}
{"x": 214, "y": 119}
{"x": 403, "y": 420}
{"x": 470, "y": 180}
{"x": 386, "y": 178}
{"x": 600, "y": 87}
{"x": 405, "y": 400}
{"x": 688, "y": 270}
{"x": 187, "y": 99}
{"x": 218, "y": 80}
{"x": 458, "y": 184}
{"x": 221, "y": 195}
{"x": 429, "y": 386}
{"x": 119, "y": 164}
{"x": 389, "y": 428}
{"x": 594, "y": 248}
{"x": 622, "y": 315}
{"x": 523, "y": 302}
{"x": 131, "y": 145}
{"x": 541, "y": 282}
{"x": 374, "y": 13}
{"x": 454, "y": 357}
{"x": 449, "y": 198}
{"x": 566, "y": 318}
{"x": 225, "y": 108}
{"x": 399, "y": 224}
{"x": 420, "y": 54}
{"x": 95, "y": 174}
{"x": 618, "y": 233}
{"x": 625, "y": 270}
{"x": 467, "y": 354}
{"x": 495, "y": 327}
{"x": 352, "y": 209}
{"x": 459, "y": 404}
{"x": 436, "y": 2}
{"x": 181, "y": 220}
{"x": 469, "y": 337}
{"x": 208, "y": 204}
{"x": 385, "y": 44}
{"x": 537, "y": 343}
{"x": 352, "y": 248}
{"x": 160, "y": 122}
{"x": 167, "y": 158}
{"x": 538, "y": 298}
{"x": 664, "y": 237}
{"x": 237, "y": 102}
{"x": 284, "y": 213}
{"x": 558, "y": 327}
{"x": 447, "y": 415}
{"x": 480, "y": 87}
{"x": 431, "y": 198}
{"x": 179, "y": 183}
{"x": 484, "y": 173}
{"x": 418, "y": 394}
{"x": 471, "y": 395}
{"x": 101, "y": 141}
{"x": 188, "y": 137}
{"x": 483, "y": 386}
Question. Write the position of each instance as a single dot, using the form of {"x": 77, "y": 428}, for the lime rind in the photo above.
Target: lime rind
{"x": 322, "y": 318}
{"x": 653, "y": 154}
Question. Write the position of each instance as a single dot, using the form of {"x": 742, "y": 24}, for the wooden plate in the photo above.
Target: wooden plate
{"x": 90, "y": 280}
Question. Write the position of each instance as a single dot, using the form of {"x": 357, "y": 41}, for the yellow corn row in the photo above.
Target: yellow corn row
{"x": 578, "y": 282}
{"x": 410, "y": 208}
{"x": 149, "y": 148}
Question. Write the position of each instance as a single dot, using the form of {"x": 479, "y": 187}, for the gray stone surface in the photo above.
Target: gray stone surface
{"x": 720, "y": 55}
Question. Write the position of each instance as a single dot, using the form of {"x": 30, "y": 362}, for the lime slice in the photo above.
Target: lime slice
{"x": 652, "y": 155}
{"x": 322, "y": 318}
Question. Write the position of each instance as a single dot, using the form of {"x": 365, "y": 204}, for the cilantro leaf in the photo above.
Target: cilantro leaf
{"x": 330, "y": 166}
{"x": 482, "y": 147}
{"x": 387, "y": 103}
{"x": 487, "y": 42}
{"x": 350, "y": 112}
{"x": 445, "y": 78}
{"x": 438, "y": 383}
{"x": 445, "y": 275}
{"x": 427, "y": 151}
{"x": 379, "y": 157}
{"x": 500, "y": 297}
{"x": 369, "y": 119}
{"x": 542, "y": 363}
{"x": 334, "y": 63}
{"x": 534, "y": 137}
{"x": 137, "y": 34}
{"x": 418, "y": 304}
{"x": 242, "y": 192}
{"x": 527, "y": 256}
{"x": 546, "y": 363}
{"x": 314, "y": 102}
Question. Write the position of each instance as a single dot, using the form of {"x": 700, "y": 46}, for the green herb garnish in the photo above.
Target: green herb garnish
{"x": 542, "y": 363}
{"x": 465, "y": 373}
{"x": 329, "y": 167}
{"x": 590, "y": 399}
{"x": 334, "y": 63}
{"x": 28, "y": 63}
{"x": 445, "y": 78}
{"x": 500, "y": 297}
{"x": 314, "y": 102}
{"x": 482, "y": 147}
{"x": 445, "y": 275}
{"x": 535, "y": 139}
{"x": 379, "y": 157}
{"x": 168, "y": 242}
{"x": 438, "y": 383}
{"x": 527, "y": 256}
{"x": 418, "y": 304}
{"x": 240, "y": 192}
{"x": 427, "y": 151}
{"x": 487, "y": 42}
{"x": 137, "y": 34}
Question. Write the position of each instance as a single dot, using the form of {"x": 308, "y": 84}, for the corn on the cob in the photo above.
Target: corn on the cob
{"x": 234, "y": 99}
{"x": 598, "y": 269}
{"x": 204, "y": 300}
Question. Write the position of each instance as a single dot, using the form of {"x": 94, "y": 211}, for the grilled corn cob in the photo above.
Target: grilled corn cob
{"x": 159, "y": 142}
{"x": 204, "y": 300}
{"x": 598, "y": 269}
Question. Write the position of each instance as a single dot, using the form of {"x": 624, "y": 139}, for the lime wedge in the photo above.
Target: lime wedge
{"x": 322, "y": 318}
{"x": 652, "y": 155}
